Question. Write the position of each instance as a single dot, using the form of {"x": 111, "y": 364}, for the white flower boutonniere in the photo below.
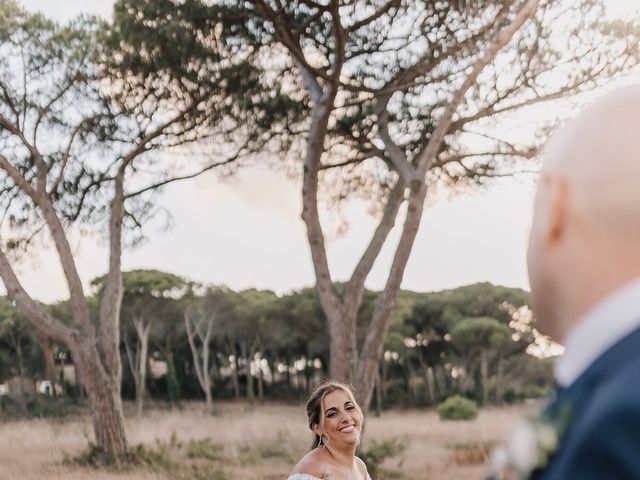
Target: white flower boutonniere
{"x": 530, "y": 446}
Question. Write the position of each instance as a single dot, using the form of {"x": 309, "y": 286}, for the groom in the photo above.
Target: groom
{"x": 584, "y": 270}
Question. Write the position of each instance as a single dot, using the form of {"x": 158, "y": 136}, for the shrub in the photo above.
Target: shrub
{"x": 470, "y": 453}
{"x": 510, "y": 396}
{"x": 534, "y": 391}
{"x": 378, "y": 451}
{"x": 38, "y": 406}
{"x": 276, "y": 449}
{"x": 204, "y": 449}
{"x": 523, "y": 393}
{"x": 457, "y": 407}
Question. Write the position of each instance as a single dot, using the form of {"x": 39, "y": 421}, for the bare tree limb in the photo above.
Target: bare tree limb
{"x": 51, "y": 327}
{"x": 111, "y": 302}
{"x": 374, "y": 16}
{"x": 183, "y": 177}
{"x": 398, "y": 157}
{"x": 35, "y": 153}
{"x": 355, "y": 286}
{"x": 429, "y": 153}
{"x": 67, "y": 151}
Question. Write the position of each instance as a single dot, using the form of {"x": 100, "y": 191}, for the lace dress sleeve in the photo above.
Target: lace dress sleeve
{"x": 306, "y": 476}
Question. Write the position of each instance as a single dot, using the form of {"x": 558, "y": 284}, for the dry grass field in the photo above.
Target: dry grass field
{"x": 260, "y": 443}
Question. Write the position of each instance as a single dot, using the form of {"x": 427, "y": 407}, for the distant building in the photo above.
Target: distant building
{"x": 69, "y": 374}
{"x": 14, "y": 384}
{"x": 44, "y": 388}
{"x": 157, "y": 368}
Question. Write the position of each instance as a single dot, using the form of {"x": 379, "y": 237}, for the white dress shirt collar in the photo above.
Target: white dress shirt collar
{"x": 602, "y": 327}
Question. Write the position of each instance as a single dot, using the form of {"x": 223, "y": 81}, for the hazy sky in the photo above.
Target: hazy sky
{"x": 246, "y": 231}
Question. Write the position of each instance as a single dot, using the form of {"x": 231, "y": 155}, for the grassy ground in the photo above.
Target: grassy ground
{"x": 237, "y": 442}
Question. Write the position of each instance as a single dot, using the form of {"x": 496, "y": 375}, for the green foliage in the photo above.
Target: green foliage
{"x": 471, "y": 334}
{"x": 39, "y": 406}
{"x": 173, "y": 385}
{"x": 515, "y": 395}
{"x": 186, "y": 51}
{"x": 471, "y": 453}
{"x": 200, "y": 472}
{"x": 429, "y": 331}
{"x": 95, "y": 457}
{"x": 165, "y": 458}
{"x": 157, "y": 459}
{"x": 204, "y": 449}
{"x": 145, "y": 282}
{"x": 378, "y": 451}
{"x": 457, "y": 407}
{"x": 20, "y": 355}
{"x": 274, "y": 449}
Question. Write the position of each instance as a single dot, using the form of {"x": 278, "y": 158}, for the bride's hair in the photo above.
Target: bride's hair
{"x": 314, "y": 405}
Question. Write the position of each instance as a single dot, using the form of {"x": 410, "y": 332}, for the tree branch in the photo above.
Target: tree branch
{"x": 397, "y": 156}
{"x": 141, "y": 147}
{"x": 183, "y": 177}
{"x": 491, "y": 110}
{"x": 374, "y": 16}
{"x": 10, "y": 102}
{"x": 35, "y": 153}
{"x": 67, "y": 151}
{"x": 428, "y": 155}
{"x": 355, "y": 286}
{"x": 111, "y": 301}
{"x": 50, "y": 326}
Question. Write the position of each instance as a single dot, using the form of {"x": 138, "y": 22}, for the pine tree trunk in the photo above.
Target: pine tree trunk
{"x": 260, "y": 382}
{"x": 378, "y": 388}
{"x": 141, "y": 377}
{"x": 484, "y": 376}
{"x": 499, "y": 375}
{"x": 45, "y": 345}
{"x": 208, "y": 397}
{"x": 383, "y": 379}
{"x": 173, "y": 386}
{"x": 288, "y": 372}
{"x": 21, "y": 396}
{"x": 427, "y": 373}
{"x": 410, "y": 376}
{"x": 234, "y": 378}
{"x": 246, "y": 353}
{"x": 103, "y": 393}
{"x": 342, "y": 345}
{"x": 447, "y": 380}
{"x": 373, "y": 347}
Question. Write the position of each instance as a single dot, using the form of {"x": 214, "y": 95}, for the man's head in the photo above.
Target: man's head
{"x": 585, "y": 237}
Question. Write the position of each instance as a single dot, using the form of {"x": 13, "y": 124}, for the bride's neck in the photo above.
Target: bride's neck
{"x": 343, "y": 457}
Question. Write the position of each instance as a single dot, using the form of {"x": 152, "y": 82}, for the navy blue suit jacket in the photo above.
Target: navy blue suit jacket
{"x": 602, "y": 440}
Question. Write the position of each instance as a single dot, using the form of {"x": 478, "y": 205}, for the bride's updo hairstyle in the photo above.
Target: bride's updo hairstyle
{"x": 316, "y": 399}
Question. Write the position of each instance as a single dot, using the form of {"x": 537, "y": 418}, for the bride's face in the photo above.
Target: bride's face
{"x": 342, "y": 419}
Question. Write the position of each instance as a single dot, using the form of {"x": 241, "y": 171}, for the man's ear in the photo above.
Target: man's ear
{"x": 557, "y": 192}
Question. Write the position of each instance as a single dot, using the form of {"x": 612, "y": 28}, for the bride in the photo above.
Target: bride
{"x": 336, "y": 421}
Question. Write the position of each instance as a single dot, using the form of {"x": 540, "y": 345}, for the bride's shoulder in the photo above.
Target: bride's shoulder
{"x": 310, "y": 467}
{"x": 363, "y": 468}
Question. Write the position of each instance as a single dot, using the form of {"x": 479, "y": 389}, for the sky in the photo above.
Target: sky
{"x": 246, "y": 231}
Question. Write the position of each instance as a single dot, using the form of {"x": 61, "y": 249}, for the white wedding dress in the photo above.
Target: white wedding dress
{"x": 306, "y": 476}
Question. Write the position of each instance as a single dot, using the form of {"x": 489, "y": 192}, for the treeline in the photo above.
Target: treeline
{"x": 180, "y": 340}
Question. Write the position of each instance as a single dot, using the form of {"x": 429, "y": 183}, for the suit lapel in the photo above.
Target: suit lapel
{"x": 568, "y": 404}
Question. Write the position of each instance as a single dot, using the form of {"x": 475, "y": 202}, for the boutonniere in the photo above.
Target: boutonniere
{"x": 531, "y": 445}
